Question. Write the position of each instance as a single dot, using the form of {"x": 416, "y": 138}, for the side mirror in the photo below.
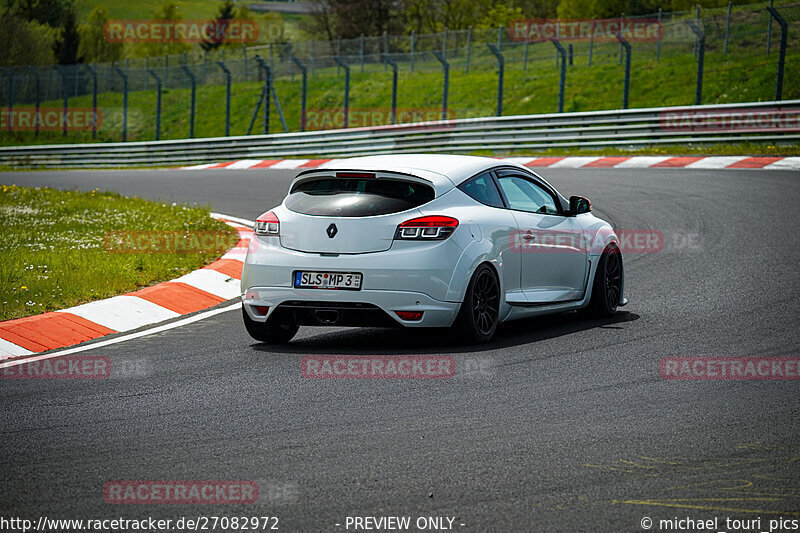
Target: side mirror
{"x": 579, "y": 205}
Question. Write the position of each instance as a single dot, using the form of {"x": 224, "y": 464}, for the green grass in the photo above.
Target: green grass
{"x": 54, "y": 254}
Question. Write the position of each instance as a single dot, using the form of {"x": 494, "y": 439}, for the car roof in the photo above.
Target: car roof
{"x": 444, "y": 171}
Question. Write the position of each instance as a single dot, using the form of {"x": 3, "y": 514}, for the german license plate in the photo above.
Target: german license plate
{"x": 327, "y": 280}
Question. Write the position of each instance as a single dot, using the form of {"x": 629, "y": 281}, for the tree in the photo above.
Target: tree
{"x": 66, "y": 46}
{"x": 167, "y": 12}
{"x": 227, "y": 12}
{"x": 24, "y": 42}
{"x": 93, "y": 43}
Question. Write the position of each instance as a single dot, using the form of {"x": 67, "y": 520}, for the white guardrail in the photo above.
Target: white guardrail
{"x": 755, "y": 122}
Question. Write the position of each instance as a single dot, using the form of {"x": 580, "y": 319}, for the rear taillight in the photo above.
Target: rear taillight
{"x": 411, "y": 316}
{"x": 430, "y": 228}
{"x": 267, "y": 224}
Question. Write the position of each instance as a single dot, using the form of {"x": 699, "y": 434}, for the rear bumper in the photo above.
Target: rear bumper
{"x": 317, "y": 307}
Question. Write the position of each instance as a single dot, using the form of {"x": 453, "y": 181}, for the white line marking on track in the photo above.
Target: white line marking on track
{"x": 244, "y": 164}
{"x": 208, "y": 280}
{"x": 129, "y": 336}
{"x": 289, "y": 164}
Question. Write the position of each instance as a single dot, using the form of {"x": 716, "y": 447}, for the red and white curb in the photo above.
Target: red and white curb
{"x": 638, "y": 161}
{"x": 195, "y": 291}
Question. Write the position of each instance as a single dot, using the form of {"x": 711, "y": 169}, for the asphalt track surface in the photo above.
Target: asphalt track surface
{"x": 560, "y": 424}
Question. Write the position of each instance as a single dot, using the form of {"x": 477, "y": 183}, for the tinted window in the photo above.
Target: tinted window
{"x": 354, "y": 197}
{"x": 483, "y": 189}
{"x": 525, "y": 195}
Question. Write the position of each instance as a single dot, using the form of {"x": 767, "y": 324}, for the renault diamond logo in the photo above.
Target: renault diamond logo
{"x": 332, "y": 231}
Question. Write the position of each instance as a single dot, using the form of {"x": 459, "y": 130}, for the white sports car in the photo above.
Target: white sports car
{"x": 425, "y": 241}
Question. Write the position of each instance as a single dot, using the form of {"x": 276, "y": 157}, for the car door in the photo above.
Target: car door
{"x": 552, "y": 247}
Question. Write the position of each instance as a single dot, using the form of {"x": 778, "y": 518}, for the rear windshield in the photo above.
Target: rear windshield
{"x": 356, "y": 197}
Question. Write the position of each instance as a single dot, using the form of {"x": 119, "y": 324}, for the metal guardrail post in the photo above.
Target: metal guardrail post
{"x": 727, "y": 29}
{"x": 769, "y": 29}
{"x": 500, "y": 67}
{"x": 627, "y": 81}
{"x": 38, "y": 85}
{"x": 782, "y": 52}
{"x": 563, "y": 78}
{"x": 93, "y": 72}
{"x": 701, "y": 49}
{"x": 227, "y": 73}
{"x": 193, "y": 80}
{"x": 346, "y": 68}
{"x": 158, "y": 102}
{"x": 10, "y": 105}
{"x": 388, "y": 60}
{"x": 304, "y": 91}
{"x": 445, "y": 82}
{"x": 124, "y": 102}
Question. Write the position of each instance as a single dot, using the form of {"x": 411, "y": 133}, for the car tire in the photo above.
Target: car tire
{"x": 269, "y": 332}
{"x": 478, "y": 317}
{"x": 607, "y": 284}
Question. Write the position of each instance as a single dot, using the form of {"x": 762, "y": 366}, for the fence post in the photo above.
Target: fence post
{"x": 413, "y": 43}
{"x": 158, "y": 103}
{"x": 444, "y": 43}
{"x": 769, "y": 30}
{"x": 469, "y": 47}
{"x": 65, "y": 97}
{"x": 591, "y": 44}
{"x": 264, "y": 94}
{"x": 304, "y": 74}
{"x": 124, "y": 102}
{"x": 499, "y": 37}
{"x": 563, "y": 79}
{"x": 93, "y": 72}
{"x": 570, "y": 53}
{"x": 627, "y": 80}
{"x": 346, "y": 89}
{"x": 338, "y": 52}
{"x": 166, "y": 69}
{"x": 782, "y": 52}
{"x": 701, "y": 48}
{"x": 500, "y": 67}
{"x": 10, "y": 106}
{"x": 621, "y": 23}
{"x": 697, "y": 23}
{"x": 388, "y": 60}
{"x": 445, "y": 82}
{"x": 37, "y": 82}
{"x": 244, "y": 61}
{"x": 660, "y": 36}
{"x": 385, "y": 45}
{"x": 192, "y": 103}
{"x": 727, "y": 30}
{"x": 227, "y": 97}
{"x": 312, "y": 57}
{"x": 361, "y": 39}
{"x": 525, "y": 56}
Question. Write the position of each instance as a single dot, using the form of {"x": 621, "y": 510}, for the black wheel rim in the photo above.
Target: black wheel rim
{"x": 613, "y": 278}
{"x": 485, "y": 302}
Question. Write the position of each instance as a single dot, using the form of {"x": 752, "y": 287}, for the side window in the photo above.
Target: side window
{"x": 525, "y": 195}
{"x": 483, "y": 189}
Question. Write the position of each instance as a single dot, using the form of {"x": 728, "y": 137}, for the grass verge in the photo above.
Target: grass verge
{"x": 56, "y": 251}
